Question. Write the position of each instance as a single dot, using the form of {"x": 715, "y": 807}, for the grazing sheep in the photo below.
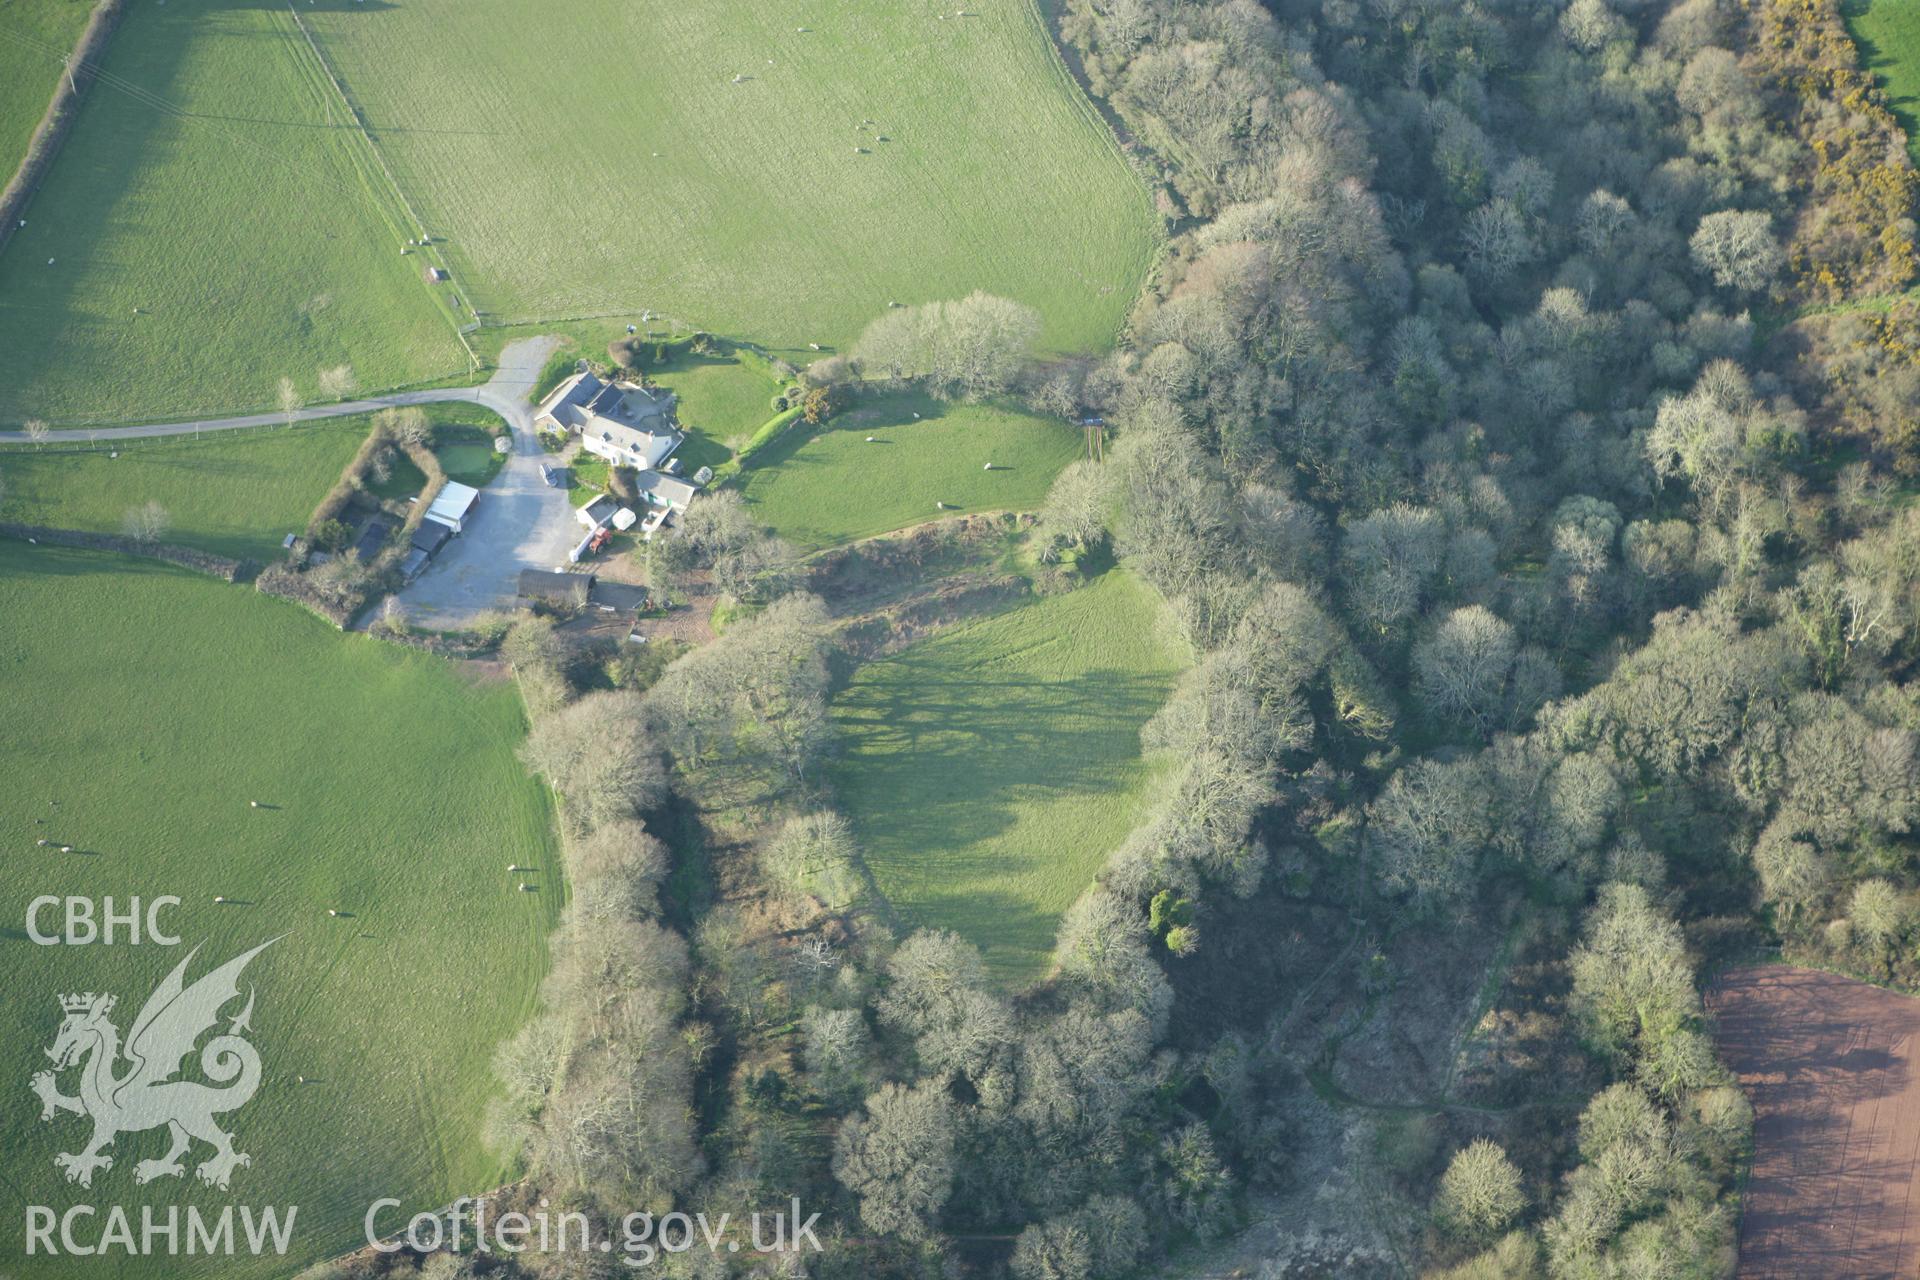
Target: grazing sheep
{"x": 332, "y": 912}
{"x": 219, "y": 898}
{"x": 44, "y": 842}
{"x": 253, "y": 804}
{"x": 869, "y": 439}
{"x": 66, "y": 848}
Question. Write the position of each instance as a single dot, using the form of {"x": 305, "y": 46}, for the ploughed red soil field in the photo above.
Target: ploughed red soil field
{"x": 1829, "y": 1065}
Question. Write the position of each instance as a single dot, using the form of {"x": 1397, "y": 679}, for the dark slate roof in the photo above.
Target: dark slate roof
{"x": 620, "y": 595}
{"x": 431, "y": 535}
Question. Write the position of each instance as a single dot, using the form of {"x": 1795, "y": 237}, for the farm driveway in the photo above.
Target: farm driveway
{"x": 518, "y": 523}
{"x": 1829, "y": 1064}
{"x": 505, "y": 393}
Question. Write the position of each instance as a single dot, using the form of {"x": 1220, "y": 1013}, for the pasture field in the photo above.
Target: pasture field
{"x": 723, "y": 164}
{"x": 990, "y": 770}
{"x": 30, "y": 32}
{"x": 1887, "y": 33}
{"x": 1828, "y": 1063}
{"x": 234, "y": 493}
{"x": 818, "y": 487}
{"x": 150, "y": 706}
{"x": 212, "y": 225}
{"x": 722, "y": 402}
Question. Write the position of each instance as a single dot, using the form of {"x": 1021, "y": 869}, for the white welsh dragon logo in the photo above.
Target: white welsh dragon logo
{"x": 146, "y": 1096}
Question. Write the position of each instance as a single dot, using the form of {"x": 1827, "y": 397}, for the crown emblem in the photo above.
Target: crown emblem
{"x": 131, "y": 1088}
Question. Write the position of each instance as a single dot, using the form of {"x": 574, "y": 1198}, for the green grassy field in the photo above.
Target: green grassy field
{"x": 152, "y": 704}
{"x": 210, "y": 230}
{"x": 827, "y": 486}
{"x": 1888, "y": 35}
{"x": 601, "y": 158}
{"x": 235, "y": 495}
{"x": 30, "y": 32}
{"x": 989, "y": 770}
{"x": 721, "y": 401}
{"x": 231, "y": 493}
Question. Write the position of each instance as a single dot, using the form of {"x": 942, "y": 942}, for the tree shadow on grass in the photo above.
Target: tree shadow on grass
{"x": 941, "y": 763}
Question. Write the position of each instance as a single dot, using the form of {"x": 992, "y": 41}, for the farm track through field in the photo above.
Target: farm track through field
{"x": 504, "y": 393}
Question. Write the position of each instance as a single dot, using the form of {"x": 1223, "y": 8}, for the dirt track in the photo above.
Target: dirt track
{"x": 1829, "y": 1064}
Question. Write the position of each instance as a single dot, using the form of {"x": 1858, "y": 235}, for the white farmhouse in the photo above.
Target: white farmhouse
{"x": 623, "y": 422}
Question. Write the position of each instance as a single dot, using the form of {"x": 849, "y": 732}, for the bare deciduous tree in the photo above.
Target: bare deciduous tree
{"x": 1462, "y": 667}
{"x": 598, "y": 755}
{"x": 1737, "y": 248}
{"x": 147, "y": 522}
{"x": 1480, "y": 1193}
{"x": 337, "y": 382}
{"x": 899, "y": 1158}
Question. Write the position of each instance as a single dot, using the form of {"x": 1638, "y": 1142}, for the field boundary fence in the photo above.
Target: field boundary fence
{"x": 51, "y": 133}
{"x": 416, "y": 225}
{"x": 225, "y": 568}
{"x": 72, "y": 440}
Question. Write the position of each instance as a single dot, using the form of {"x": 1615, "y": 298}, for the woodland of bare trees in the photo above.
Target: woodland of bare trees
{"x": 1547, "y": 552}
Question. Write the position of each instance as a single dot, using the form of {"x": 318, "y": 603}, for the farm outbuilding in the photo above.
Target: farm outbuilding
{"x": 371, "y": 540}
{"x": 544, "y": 586}
{"x": 430, "y": 536}
{"x": 452, "y": 505}
{"x": 665, "y": 491}
{"x": 598, "y": 512}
